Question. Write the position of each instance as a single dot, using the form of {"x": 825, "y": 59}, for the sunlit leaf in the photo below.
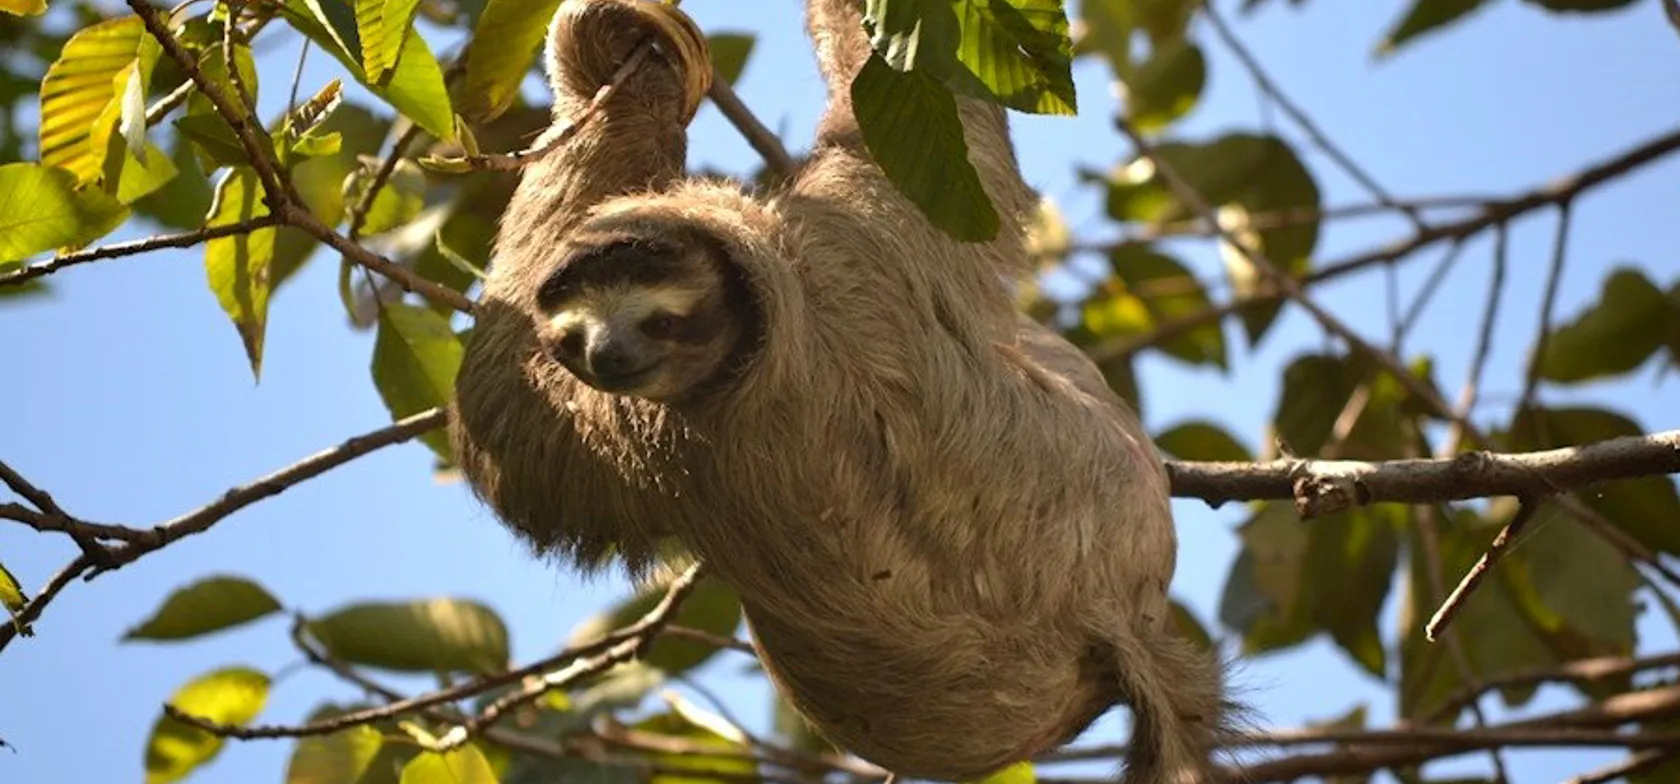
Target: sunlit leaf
{"x": 1316, "y": 387}
{"x": 13, "y": 598}
{"x": 435, "y": 635}
{"x": 396, "y": 203}
{"x": 23, "y": 7}
{"x": 414, "y": 86}
{"x": 339, "y": 758}
{"x": 1614, "y": 335}
{"x": 237, "y": 266}
{"x": 82, "y": 93}
{"x": 234, "y": 695}
{"x": 415, "y": 358}
{"x": 208, "y": 605}
{"x": 465, "y": 765}
{"x": 729, "y": 54}
{"x": 1168, "y": 290}
{"x": 730, "y": 762}
{"x": 499, "y": 55}
{"x": 912, "y": 129}
{"x": 381, "y": 26}
{"x": 41, "y": 209}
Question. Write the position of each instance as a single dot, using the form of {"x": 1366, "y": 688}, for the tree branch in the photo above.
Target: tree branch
{"x": 1320, "y": 487}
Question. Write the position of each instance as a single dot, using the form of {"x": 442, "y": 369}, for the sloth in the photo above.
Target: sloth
{"x": 951, "y": 539}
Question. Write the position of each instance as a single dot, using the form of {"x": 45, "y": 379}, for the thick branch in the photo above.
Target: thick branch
{"x": 1320, "y": 487}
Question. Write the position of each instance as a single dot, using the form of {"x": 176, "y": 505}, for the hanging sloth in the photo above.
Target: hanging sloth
{"x": 951, "y": 539}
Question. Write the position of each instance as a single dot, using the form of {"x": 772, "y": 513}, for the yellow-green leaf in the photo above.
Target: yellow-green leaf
{"x": 414, "y": 85}
{"x": 729, "y": 54}
{"x": 130, "y": 177}
{"x": 23, "y": 7}
{"x": 503, "y": 43}
{"x": 465, "y": 765}
{"x": 82, "y": 92}
{"x": 1166, "y": 86}
{"x": 1169, "y": 290}
{"x": 234, "y": 695}
{"x": 1017, "y": 773}
{"x": 731, "y": 760}
{"x": 430, "y": 635}
{"x": 237, "y": 266}
{"x": 1424, "y": 17}
{"x": 415, "y": 358}
{"x": 209, "y": 605}
{"x": 41, "y": 209}
{"x": 13, "y": 598}
{"x": 339, "y": 758}
{"x": 381, "y": 26}
{"x": 396, "y": 203}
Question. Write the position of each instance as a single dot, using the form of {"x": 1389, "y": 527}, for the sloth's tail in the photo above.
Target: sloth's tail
{"x": 1176, "y": 692}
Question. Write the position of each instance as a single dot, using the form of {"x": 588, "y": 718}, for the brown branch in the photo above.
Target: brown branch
{"x": 132, "y": 248}
{"x": 1633, "y": 765}
{"x": 238, "y": 498}
{"x": 382, "y": 175}
{"x": 282, "y": 199}
{"x": 1492, "y": 214}
{"x": 1501, "y": 543}
{"x": 1578, "y": 671}
{"x": 762, "y": 139}
{"x": 48, "y": 592}
{"x": 577, "y": 662}
{"x": 1320, "y": 487}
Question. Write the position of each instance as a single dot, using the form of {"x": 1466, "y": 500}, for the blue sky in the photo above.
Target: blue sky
{"x": 132, "y": 400}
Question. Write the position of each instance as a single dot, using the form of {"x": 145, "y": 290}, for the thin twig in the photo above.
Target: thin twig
{"x": 1560, "y": 253}
{"x": 48, "y": 592}
{"x": 1633, "y": 765}
{"x": 1501, "y": 543}
{"x": 1484, "y": 344}
{"x": 1319, "y": 138}
{"x": 1492, "y": 214}
{"x": 132, "y": 248}
{"x": 1578, "y": 671}
{"x": 1431, "y": 285}
{"x": 202, "y": 519}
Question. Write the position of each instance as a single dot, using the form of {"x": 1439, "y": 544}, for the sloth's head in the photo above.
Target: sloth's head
{"x": 654, "y": 318}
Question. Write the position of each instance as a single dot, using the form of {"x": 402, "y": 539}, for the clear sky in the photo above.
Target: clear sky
{"x": 132, "y": 401}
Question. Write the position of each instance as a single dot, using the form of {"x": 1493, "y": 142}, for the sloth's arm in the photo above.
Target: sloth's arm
{"x": 636, "y": 140}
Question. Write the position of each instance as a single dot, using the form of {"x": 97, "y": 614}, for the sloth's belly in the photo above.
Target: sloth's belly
{"x": 955, "y": 701}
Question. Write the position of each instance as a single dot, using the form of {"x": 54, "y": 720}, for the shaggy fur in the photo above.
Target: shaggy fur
{"x": 952, "y": 540}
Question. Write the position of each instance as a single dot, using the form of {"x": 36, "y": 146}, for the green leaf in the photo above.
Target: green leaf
{"x": 1580, "y": 6}
{"x": 237, "y": 266}
{"x": 41, "y": 209}
{"x": 415, "y": 84}
{"x": 504, "y": 41}
{"x": 13, "y": 598}
{"x": 1188, "y": 626}
{"x": 911, "y": 126}
{"x": 1316, "y": 388}
{"x": 23, "y": 7}
{"x": 713, "y": 606}
{"x": 1577, "y": 586}
{"x": 1201, "y": 440}
{"x": 1294, "y": 579}
{"x": 185, "y": 199}
{"x": 1166, "y": 87}
{"x": 130, "y": 177}
{"x": 1645, "y": 507}
{"x": 401, "y": 198}
{"x": 433, "y": 635}
{"x": 1108, "y": 31}
{"x": 381, "y": 26}
{"x": 794, "y": 729}
{"x": 1020, "y": 51}
{"x": 82, "y": 93}
{"x": 214, "y": 142}
{"x": 1424, "y": 17}
{"x": 729, "y": 54}
{"x": 415, "y": 358}
{"x": 233, "y": 695}
{"x": 339, "y": 758}
{"x": 1168, "y": 290}
{"x": 209, "y": 605}
{"x": 465, "y": 765}
{"x": 320, "y": 181}
{"x": 730, "y": 762}
{"x": 1612, "y": 336}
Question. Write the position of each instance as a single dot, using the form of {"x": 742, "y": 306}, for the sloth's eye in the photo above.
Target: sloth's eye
{"x": 659, "y": 327}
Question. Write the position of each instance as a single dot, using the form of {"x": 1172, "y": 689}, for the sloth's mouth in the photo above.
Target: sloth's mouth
{"x": 624, "y": 380}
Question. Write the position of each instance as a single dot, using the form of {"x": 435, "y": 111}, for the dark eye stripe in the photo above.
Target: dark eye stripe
{"x": 635, "y": 262}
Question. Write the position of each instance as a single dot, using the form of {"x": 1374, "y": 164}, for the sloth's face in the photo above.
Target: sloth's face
{"x": 636, "y": 318}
